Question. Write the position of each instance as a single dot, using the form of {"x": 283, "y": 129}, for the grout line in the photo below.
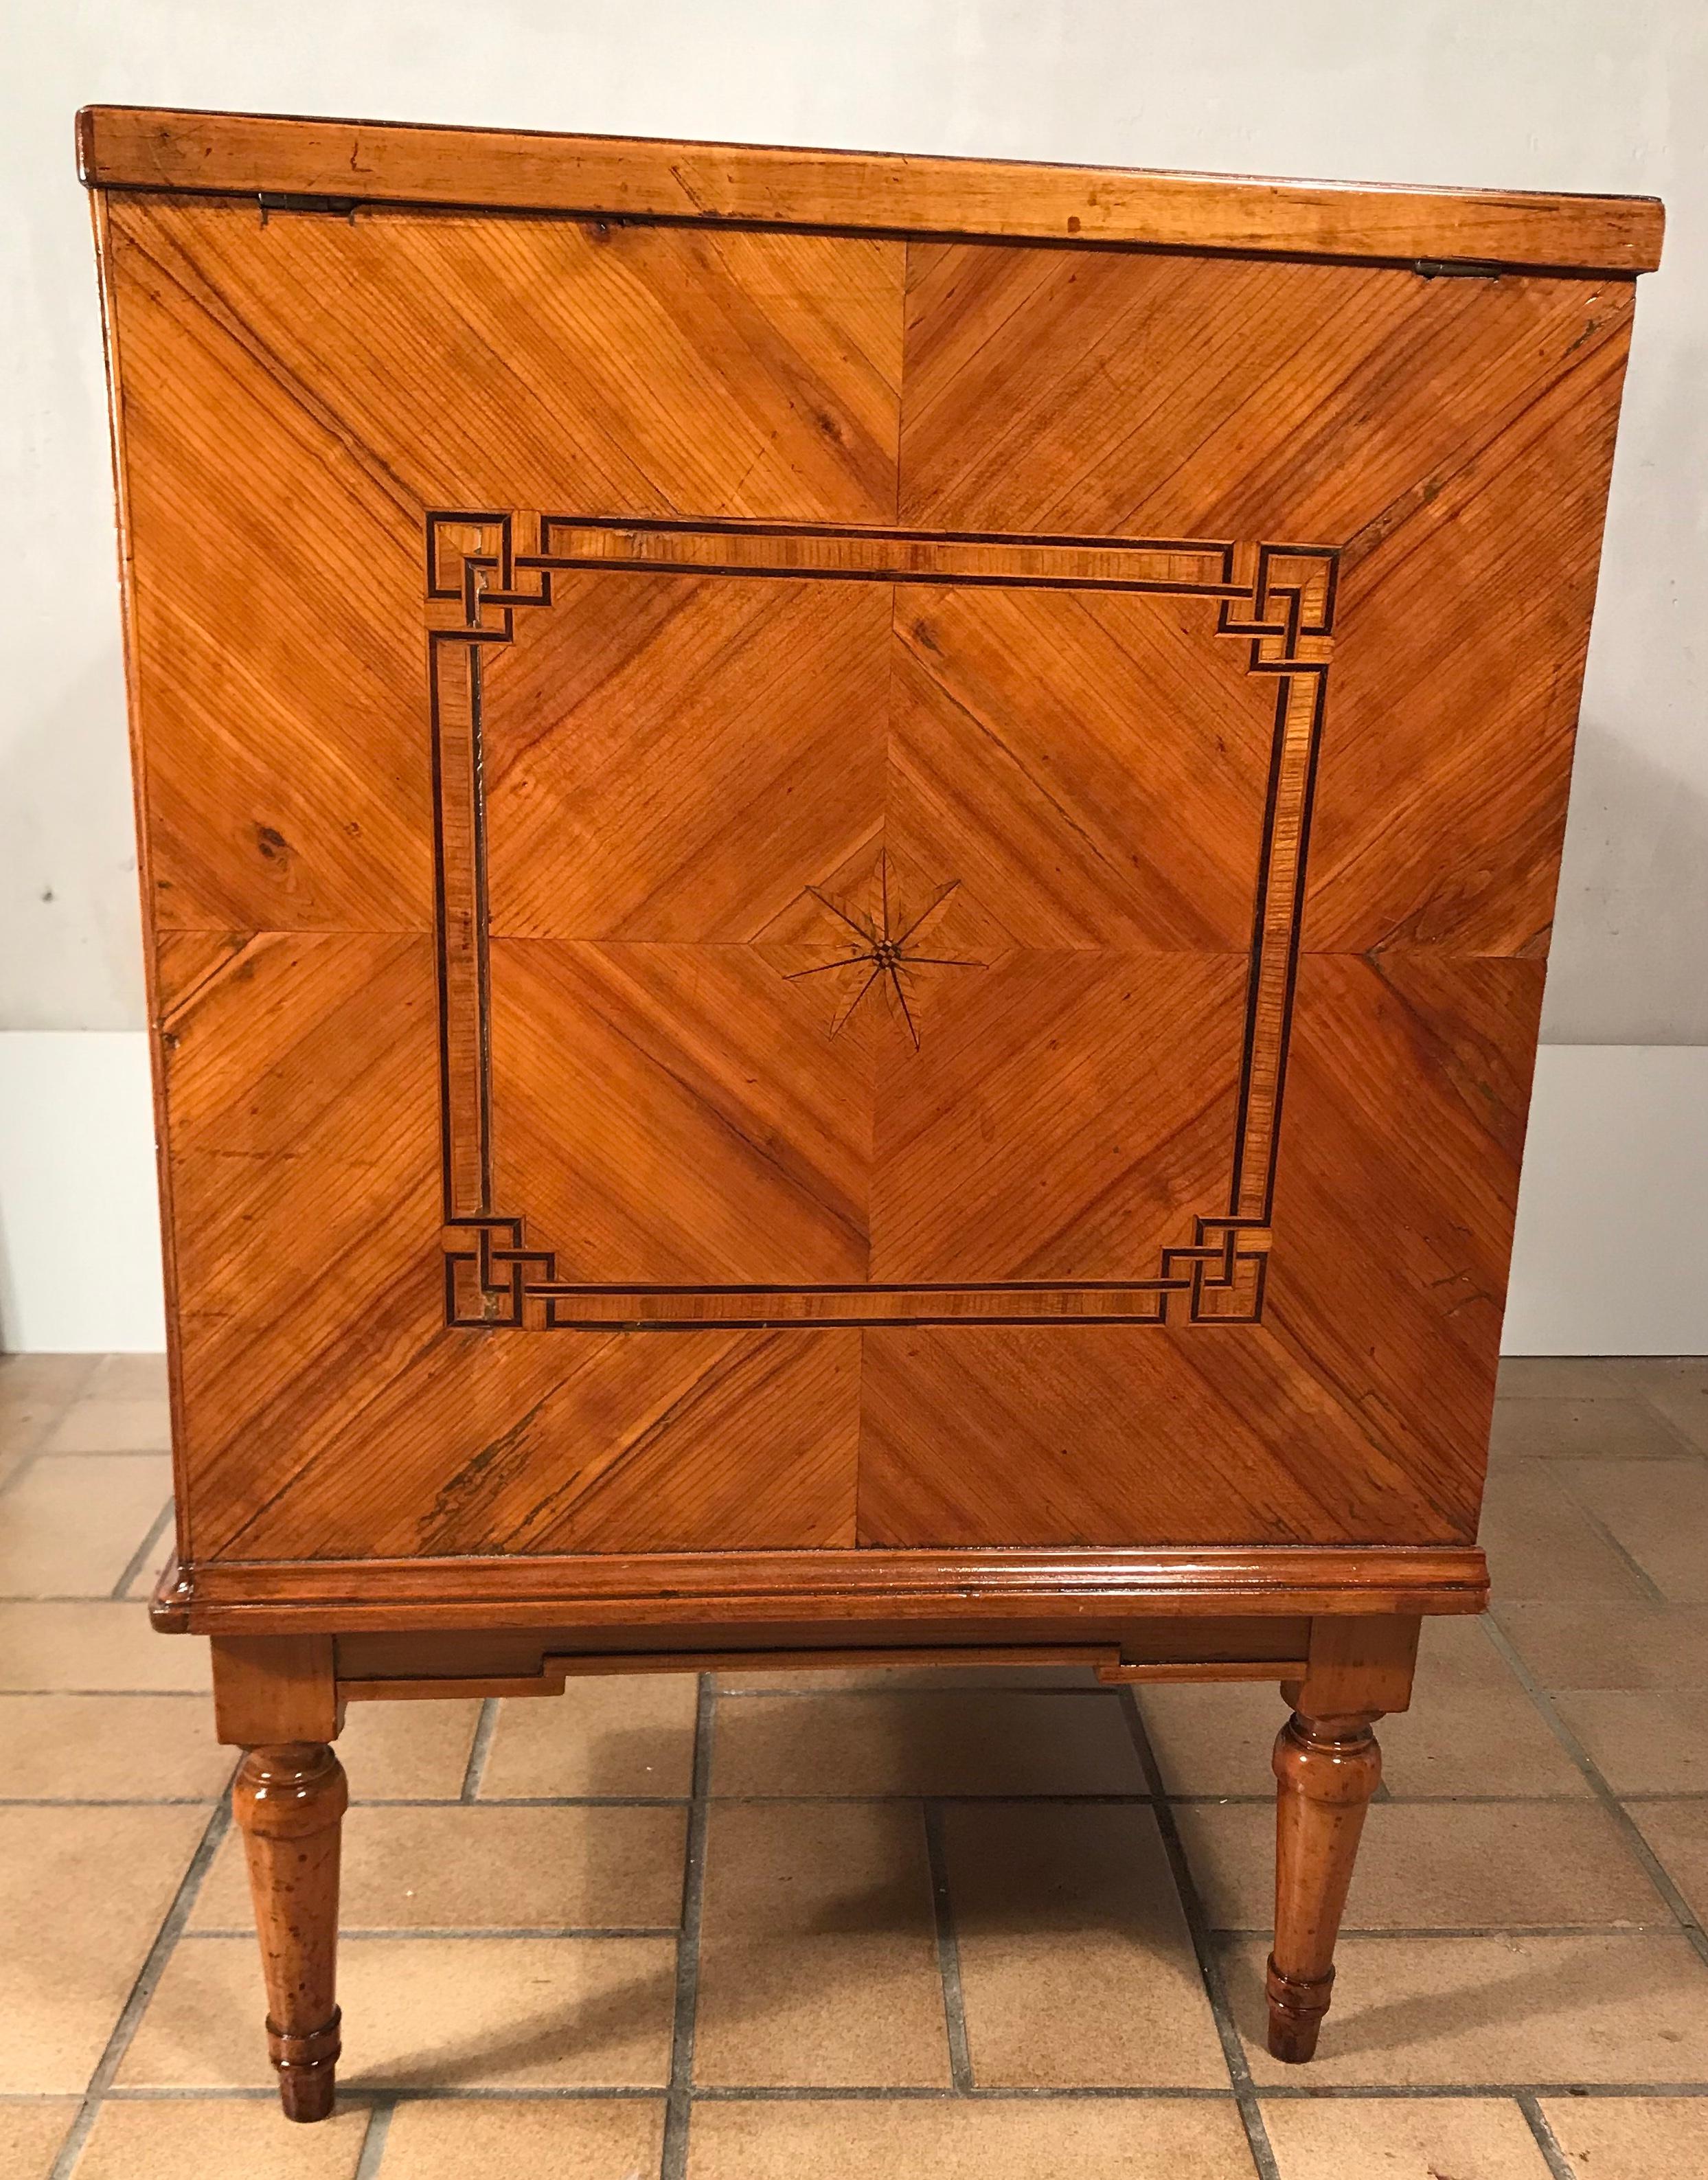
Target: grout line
{"x": 1353, "y": 1931}
{"x": 1263, "y": 2156}
{"x": 1677, "y": 1432}
{"x": 184, "y": 1694}
{"x": 1558, "y": 2164}
{"x": 1651, "y": 1591}
{"x": 479, "y": 1749}
{"x": 72, "y": 1597}
{"x": 109, "y": 1800}
{"x": 948, "y": 1951}
{"x": 1488, "y": 2092}
{"x": 374, "y": 2140}
{"x": 682, "y": 1801}
{"x": 142, "y": 1990}
{"x": 103, "y": 1453}
{"x": 1636, "y": 1845}
{"x": 138, "y": 1563}
{"x": 26, "y": 1462}
{"x": 678, "y": 2106}
{"x": 34, "y": 1447}
{"x": 908, "y": 2093}
{"x": 411, "y": 1932}
{"x": 1111, "y": 2092}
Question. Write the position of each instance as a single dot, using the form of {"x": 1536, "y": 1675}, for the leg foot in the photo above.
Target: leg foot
{"x": 289, "y": 1801}
{"x": 1327, "y": 1769}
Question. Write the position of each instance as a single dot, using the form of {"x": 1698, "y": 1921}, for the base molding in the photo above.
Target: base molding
{"x": 688, "y": 1589}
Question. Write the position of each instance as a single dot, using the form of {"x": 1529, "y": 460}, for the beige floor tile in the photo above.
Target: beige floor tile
{"x": 30, "y": 2135}
{"x": 1483, "y": 1741}
{"x": 1214, "y": 1739}
{"x": 1597, "y": 1645}
{"x": 818, "y": 1958}
{"x": 90, "y": 1647}
{"x": 1600, "y": 1429}
{"x": 1076, "y": 1966}
{"x": 1541, "y": 1541}
{"x": 1456, "y": 1656}
{"x": 1471, "y": 1729}
{"x": 1632, "y": 2137}
{"x": 128, "y": 1378}
{"x": 1684, "y": 1404}
{"x": 51, "y": 1379}
{"x": 1436, "y": 1866}
{"x": 23, "y": 1424}
{"x": 35, "y": 1390}
{"x": 630, "y": 1733}
{"x": 590, "y": 2139}
{"x": 98, "y": 1424}
{"x": 407, "y": 1752}
{"x": 1148, "y": 2138}
{"x": 1642, "y": 1741}
{"x": 1678, "y": 1833}
{"x": 208, "y": 2139}
{"x": 988, "y": 1741}
{"x": 437, "y": 2012}
{"x": 1563, "y": 1377}
{"x": 1402, "y": 2138}
{"x": 1518, "y": 2008}
{"x": 1658, "y": 1514}
{"x": 72, "y": 1526}
{"x": 141, "y": 1748}
{"x": 463, "y": 1867}
{"x": 82, "y": 1894}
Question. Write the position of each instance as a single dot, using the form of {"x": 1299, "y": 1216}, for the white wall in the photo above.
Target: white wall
{"x": 1561, "y": 94}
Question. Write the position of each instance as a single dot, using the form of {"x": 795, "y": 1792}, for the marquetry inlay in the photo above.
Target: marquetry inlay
{"x": 880, "y": 948}
{"x": 484, "y": 568}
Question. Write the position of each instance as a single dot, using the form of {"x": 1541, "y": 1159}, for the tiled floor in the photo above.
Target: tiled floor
{"x": 922, "y": 1927}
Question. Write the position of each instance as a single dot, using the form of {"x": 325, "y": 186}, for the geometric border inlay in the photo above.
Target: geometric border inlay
{"x": 482, "y": 568}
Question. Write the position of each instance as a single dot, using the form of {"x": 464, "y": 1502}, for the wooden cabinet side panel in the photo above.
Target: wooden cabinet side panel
{"x": 297, "y": 394}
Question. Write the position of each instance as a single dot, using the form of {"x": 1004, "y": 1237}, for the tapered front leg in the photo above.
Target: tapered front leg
{"x": 1327, "y": 1769}
{"x": 289, "y": 1801}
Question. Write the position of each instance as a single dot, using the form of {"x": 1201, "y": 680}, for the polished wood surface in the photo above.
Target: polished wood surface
{"x": 848, "y": 864}
{"x": 289, "y": 1802}
{"x": 130, "y": 148}
{"x": 677, "y": 1588}
{"x": 604, "y": 1004}
{"x": 1327, "y": 1769}
{"x": 1327, "y": 1765}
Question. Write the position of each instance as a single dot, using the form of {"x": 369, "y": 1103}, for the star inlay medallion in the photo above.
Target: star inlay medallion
{"x": 886, "y": 944}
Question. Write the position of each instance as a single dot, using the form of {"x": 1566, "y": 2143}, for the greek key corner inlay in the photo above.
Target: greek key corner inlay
{"x": 484, "y": 568}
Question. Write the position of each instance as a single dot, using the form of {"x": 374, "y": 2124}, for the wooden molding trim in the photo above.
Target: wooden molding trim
{"x": 556, "y": 1671}
{"x": 345, "y": 163}
{"x": 671, "y": 1590}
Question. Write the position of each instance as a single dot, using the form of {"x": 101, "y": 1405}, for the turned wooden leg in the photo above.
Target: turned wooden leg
{"x": 289, "y": 1801}
{"x": 1327, "y": 1769}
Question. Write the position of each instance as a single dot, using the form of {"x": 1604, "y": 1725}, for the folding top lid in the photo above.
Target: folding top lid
{"x": 516, "y": 170}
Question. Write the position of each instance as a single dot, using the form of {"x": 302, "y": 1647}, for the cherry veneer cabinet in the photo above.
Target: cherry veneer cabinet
{"x": 751, "y": 1062}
